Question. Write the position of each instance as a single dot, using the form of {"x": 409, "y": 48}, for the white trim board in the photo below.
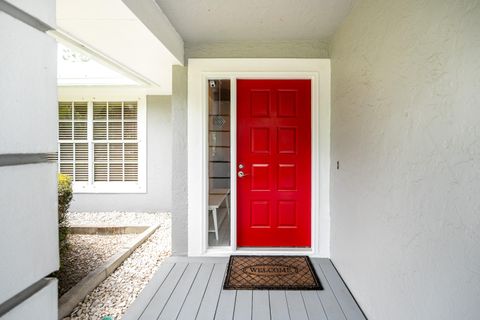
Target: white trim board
{"x": 199, "y": 70}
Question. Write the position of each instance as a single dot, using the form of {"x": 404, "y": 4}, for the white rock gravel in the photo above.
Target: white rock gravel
{"x": 85, "y": 254}
{"x": 116, "y": 293}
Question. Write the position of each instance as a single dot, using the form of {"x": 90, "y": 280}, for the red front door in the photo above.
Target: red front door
{"x": 273, "y": 163}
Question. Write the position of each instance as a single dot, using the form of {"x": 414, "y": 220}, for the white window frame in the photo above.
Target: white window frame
{"x": 90, "y": 95}
{"x": 201, "y": 70}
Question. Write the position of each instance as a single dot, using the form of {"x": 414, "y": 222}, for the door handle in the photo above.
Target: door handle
{"x": 241, "y": 174}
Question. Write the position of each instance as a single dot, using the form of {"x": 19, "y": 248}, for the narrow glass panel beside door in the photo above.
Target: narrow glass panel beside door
{"x": 218, "y": 163}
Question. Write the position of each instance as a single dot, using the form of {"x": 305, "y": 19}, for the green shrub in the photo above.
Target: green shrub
{"x": 65, "y": 195}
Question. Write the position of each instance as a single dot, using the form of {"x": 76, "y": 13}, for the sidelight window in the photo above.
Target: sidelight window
{"x": 219, "y": 121}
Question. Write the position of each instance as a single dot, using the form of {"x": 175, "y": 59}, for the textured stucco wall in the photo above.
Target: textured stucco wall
{"x": 28, "y": 189}
{"x": 159, "y": 169}
{"x": 179, "y": 161}
{"x": 406, "y": 129}
{"x": 40, "y": 305}
{"x": 257, "y": 49}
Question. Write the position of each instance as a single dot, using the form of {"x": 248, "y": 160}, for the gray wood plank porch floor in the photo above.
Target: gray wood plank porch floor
{"x": 191, "y": 288}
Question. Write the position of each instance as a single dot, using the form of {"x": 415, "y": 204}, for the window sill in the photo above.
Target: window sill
{"x": 109, "y": 187}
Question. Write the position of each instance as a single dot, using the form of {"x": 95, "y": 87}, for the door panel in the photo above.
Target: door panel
{"x": 274, "y": 150}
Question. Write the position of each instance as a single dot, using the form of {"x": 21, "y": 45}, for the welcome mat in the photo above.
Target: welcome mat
{"x": 271, "y": 273}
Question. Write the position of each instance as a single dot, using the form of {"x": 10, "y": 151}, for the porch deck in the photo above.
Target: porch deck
{"x": 191, "y": 288}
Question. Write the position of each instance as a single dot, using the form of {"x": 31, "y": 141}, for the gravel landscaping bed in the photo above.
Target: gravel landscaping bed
{"x": 115, "y": 294}
{"x": 85, "y": 254}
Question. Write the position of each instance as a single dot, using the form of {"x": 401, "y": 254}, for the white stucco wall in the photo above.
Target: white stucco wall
{"x": 43, "y": 10}
{"x": 28, "y": 228}
{"x": 158, "y": 196}
{"x": 41, "y": 305}
{"x": 257, "y": 49}
{"x": 406, "y": 129}
{"x": 35, "y": 69}
{"x": 179, "y": 161}
{"x": 28, "y": 188}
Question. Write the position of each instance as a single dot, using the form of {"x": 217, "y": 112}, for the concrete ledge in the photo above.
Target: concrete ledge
{"x": 76, "y": 294}
{"x": 105, "y": 230}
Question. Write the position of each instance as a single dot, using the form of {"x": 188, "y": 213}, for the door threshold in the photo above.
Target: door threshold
{"x": 228, "y": 251}
{"x": 283, "y": 249}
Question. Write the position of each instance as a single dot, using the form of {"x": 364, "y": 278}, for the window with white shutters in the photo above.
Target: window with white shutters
{"x": 99, "y": 144}
{"x": 73, "y": 136}
{"x": 115, "y": 144}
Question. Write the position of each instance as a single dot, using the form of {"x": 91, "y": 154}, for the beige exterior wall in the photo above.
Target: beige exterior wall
{"x": 406, "y": 130}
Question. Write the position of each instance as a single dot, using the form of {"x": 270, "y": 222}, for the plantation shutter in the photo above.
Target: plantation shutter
{"x": 115, "y": 141}
{"x": 73, "y": 139}
{"x": 112, "y": 144}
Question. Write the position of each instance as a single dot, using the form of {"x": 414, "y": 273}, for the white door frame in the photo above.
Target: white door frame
{"x": 201, "y": 70}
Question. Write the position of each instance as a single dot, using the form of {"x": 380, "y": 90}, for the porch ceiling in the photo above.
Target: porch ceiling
{"x": 200, "y": 21}
{"x": 110, "y": 29}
